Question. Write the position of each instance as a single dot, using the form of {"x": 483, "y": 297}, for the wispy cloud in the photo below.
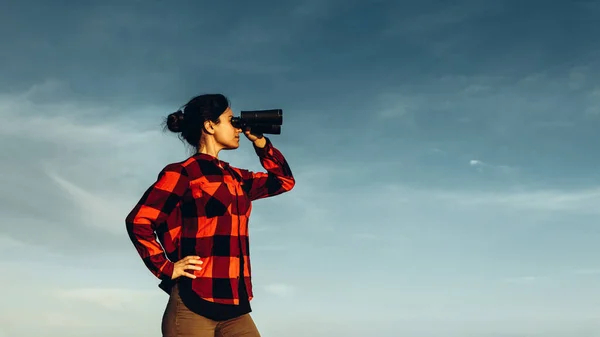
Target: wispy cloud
{"x": 431, "y": 19}
{"x": 110, "y": 298}
{"x": 9, "y": 243}
{"x": 556, "y": 276}
{"x": 397, "y": 108}
{"x": 104, "y": 212}
{"x": 366, "y": 236}
{"x": 271, "y": 248}
{"x": 88, "y": 170}
{"x": 396, "y": 197}
{"x": 483, "y": 166}
{"x": 587, "y": 271}
{"x": 523, "y": 279}
{"x": 280, "y": 289}
{"x": 547, "y": 200}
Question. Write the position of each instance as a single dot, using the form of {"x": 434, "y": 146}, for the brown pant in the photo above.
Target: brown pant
{"x": 179, "y": 321}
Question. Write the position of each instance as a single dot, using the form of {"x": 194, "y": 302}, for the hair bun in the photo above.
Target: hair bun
{"x": 175, "y": 121}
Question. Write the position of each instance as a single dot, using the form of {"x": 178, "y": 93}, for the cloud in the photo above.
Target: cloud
{"x": 403, "y": 209}
{"x": 523, "y": 279}
{"x": 587, "y": 271}
{"x": 488, "y": 113}
{"x": 109, "y": 298}
{"x": 397, "y": 108}
{"x": 592, "y": 108}
{"x": 8, "y": 243}
{"x": 72, "y": 171}
{"x": 280, "y": 289}
{"x": 104, "y": 212}
{"x": 77, "y": 296}
{"x": 481, "y": 166}
{"x": 270, "y": 248}
{"x": 366, "y": 236}
{"x": 584, "y": 201}
{"x": 541, "y": 200}
{"x": 430, "y": 19}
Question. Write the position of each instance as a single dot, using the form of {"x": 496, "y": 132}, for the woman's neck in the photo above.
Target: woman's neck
{"x": 210, "y": 149}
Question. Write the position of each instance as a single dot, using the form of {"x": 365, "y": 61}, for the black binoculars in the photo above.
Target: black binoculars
{"x": 260, "y": 121}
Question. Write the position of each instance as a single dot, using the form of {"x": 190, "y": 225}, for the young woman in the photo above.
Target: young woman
{"x": 199, "y": 210}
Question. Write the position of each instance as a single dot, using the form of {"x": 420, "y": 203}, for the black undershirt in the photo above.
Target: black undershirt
{"x": 216, "y": 311}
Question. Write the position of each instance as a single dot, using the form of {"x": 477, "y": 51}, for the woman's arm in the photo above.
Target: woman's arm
{"x": 153, "y": 208}
{"x": 278, "y": 178}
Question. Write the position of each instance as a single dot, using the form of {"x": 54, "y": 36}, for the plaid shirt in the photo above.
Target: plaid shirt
{"x": 201, "y": 206}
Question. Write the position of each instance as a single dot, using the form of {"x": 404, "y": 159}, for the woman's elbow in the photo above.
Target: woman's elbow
{"x": 289, "y": 183}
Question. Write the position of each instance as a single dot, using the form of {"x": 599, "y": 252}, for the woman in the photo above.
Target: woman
{"x": 199, "y": 209}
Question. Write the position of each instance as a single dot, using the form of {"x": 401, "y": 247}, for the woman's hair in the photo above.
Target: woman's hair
{"x": 189, "y": 120}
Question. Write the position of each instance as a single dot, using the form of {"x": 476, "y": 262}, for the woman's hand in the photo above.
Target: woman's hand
{"x": 187, "y": 263}
{"x": 258, "y": 140}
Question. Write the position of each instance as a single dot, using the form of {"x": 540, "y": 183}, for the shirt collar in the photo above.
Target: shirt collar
{"x": 208, "y": 157}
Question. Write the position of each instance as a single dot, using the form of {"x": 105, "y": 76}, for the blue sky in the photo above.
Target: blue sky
{"x": 447, "y": 182}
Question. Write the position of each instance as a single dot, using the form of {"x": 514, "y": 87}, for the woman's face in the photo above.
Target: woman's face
{"x": 226, "y": 134}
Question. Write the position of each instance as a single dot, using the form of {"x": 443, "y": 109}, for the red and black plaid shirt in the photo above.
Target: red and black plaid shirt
{"x": 201, "y": 206}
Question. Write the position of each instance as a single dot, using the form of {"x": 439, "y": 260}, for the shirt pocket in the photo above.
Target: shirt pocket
{"x": 213, "y": 197}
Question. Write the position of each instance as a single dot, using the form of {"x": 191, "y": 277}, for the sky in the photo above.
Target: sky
{"x": 446, "y": 177}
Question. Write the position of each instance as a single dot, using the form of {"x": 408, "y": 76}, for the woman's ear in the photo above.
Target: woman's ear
{"x": 209, "y": 127}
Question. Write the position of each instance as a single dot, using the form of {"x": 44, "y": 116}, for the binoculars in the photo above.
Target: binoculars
{"x": 260, "y": 121}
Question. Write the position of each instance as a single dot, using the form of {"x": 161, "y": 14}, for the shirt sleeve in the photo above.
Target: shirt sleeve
{"x": 278, "y": 178}
{"x": 158, "y": 201}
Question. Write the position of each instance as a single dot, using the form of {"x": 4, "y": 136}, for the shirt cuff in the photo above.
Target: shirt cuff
{"x": 167, "y": 272}
{"x": 261, "y": 152}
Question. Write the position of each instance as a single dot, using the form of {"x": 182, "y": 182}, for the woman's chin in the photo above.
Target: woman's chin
{"x": 233, "y": 146}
